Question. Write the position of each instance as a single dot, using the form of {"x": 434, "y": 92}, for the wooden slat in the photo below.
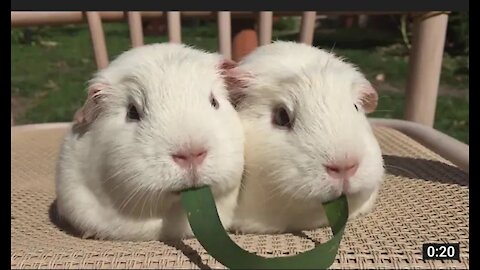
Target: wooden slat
{"x": 425, "y": 67}
{"x": 136, "y": 29}
{"x": 265, "y": 26}
{"x": 98, "y": 39}
{"x": 308, "y": 27}
{"x": 225, "y": 34}
{"x": 174, "y": 26}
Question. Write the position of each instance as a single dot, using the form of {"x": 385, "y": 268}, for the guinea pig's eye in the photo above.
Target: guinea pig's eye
{"x": 214, "y": 102}
{"x": 132, "y": 113}
{"x": 356, "y": 108}
{"x": 281, "y": 117}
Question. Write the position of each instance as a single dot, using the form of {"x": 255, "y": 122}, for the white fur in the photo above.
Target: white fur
{"x": 116, "y": 180}
{"x": 285, "y": 182}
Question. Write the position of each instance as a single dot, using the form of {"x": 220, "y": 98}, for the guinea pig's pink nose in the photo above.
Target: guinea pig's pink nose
{"x": 190, "y": 157}
{"x": 342, "y": 170}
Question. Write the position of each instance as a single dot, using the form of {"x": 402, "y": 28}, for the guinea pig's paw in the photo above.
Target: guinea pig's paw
{"x": 357, "y": 214}
{"x": 88, "y": 234}
{"x": 255, "y": 227}
{"x": 362, "y": 210}
{"x": 188, "y": 233}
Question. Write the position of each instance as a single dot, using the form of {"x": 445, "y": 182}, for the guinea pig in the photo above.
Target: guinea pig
{"x": 307, "y": 138}
{"x": 156, "y": 121}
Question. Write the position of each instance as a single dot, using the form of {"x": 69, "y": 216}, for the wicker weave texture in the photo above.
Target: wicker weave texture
{"x": 424, "y": 199}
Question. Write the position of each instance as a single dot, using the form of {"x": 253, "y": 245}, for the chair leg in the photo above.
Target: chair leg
{"x": 425, "y": 67}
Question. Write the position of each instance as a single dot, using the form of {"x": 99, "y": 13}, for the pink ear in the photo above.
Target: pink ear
{"x": 369, "y": 98}
{"x": 94, "y": 91}
{"x": 234, "y": 77}
{"x": 89, "y": 110}
{"x": 79, "y": 117}
{"x": 227, "y": 64}
{"x": 236, "y": 80}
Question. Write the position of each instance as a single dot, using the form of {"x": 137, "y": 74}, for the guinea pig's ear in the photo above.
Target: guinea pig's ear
{"x": 368, "y": 97}
{"x": 236, "y": 80}
{"x": 89, "y": 111}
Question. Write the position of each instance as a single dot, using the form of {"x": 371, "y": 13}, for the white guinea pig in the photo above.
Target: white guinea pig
{"x": 307, "y": 139}
{"x": 157, "y": 120}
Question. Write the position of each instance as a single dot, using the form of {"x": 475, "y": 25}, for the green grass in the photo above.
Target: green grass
{"x": 383, "y": 52}
{"x": 48, "y": 81}
{"x": 52, "y": 79}
{"x": 452, "y": 116}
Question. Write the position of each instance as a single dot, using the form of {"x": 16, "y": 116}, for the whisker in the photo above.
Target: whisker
{"x": 113, "y": 175}
{"x": 150, "y": 203}
{"x": 126, "y": 201}
{"x": 273, "y": 193}
{"x": 140, "y": 192}
{"x": 333, "y": 47}
{"x": 124, "y": 180}
{"x": 145, "y": 198}
{"x": 157, "y": 202}
{"x": 289, "y": 201}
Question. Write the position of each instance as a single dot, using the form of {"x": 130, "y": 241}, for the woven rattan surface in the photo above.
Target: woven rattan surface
{"x": 424, "y": 199}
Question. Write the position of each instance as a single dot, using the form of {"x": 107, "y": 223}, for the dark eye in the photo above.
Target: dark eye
{"x": 281, "y": 117}
{"x": 132, "y": 113}
{"x": 214, "y": 102}
{"x": 356, "y": 108}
